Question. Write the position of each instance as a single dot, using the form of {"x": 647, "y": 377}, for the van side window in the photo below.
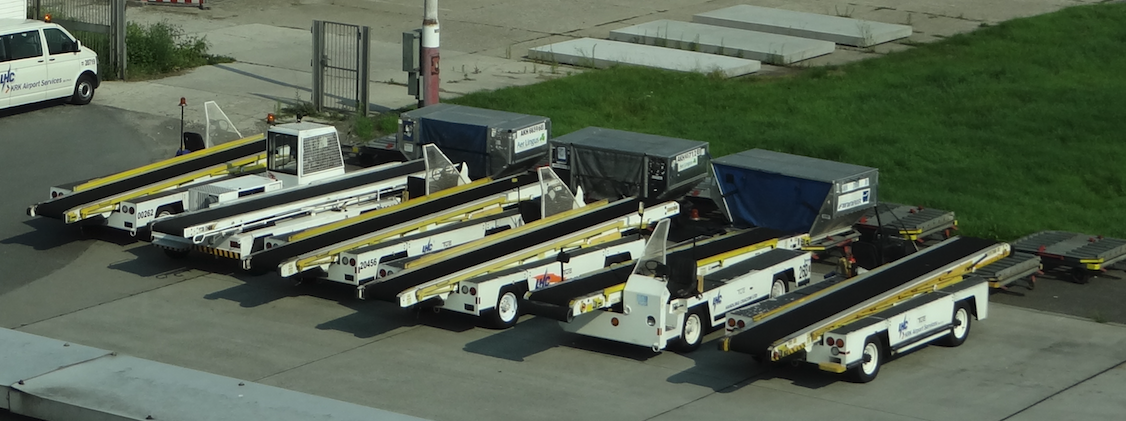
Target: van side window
{"x": 23, "y": 45}
{"x": 3, "y": 50}
{"x": 57, "y": 41}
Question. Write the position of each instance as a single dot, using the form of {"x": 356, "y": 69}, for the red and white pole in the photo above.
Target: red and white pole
{"x": 429, "y": 57}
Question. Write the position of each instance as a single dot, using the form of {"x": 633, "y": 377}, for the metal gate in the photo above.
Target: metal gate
{"x": 99, "y": 24}
{"x": 340, "y": 66}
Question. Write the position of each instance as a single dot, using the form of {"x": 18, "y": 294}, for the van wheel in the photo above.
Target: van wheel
{"x": 961, "y": 326}
{"x": 691, "y": 332}
{"x": 869, "y": 367}
{"x": 83, "y": 91}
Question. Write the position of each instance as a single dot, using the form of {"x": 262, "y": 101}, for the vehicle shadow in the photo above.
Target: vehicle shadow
{"x": 47, "y": 234}
{"x": 31, "y": 107}
{"x": 533, "y": 335}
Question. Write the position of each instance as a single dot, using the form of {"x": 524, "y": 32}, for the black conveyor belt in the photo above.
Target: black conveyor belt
{"x": 57, "y": 207}
{"x": 561, "y": 294}
{"x": 758, "y": 337}
{"x": 270, "y": 259}
{"x": 177, "y": 224}
{"x": 389, "y": 288}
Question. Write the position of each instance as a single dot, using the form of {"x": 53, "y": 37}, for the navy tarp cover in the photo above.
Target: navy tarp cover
{"x": 765, "y": 199}
{"x": 460, "y": 142}
{"x": 601, "y": 172}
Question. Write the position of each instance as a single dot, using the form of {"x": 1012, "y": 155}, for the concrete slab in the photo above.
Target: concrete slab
{"x": 841, "y": 30}
{"x": 761, "y": 46}
{"x": 590, "y": 52}
{"x": 1099, "y": 398}
{"x": 129, "y": 388}
{"x": 27, "y": 356}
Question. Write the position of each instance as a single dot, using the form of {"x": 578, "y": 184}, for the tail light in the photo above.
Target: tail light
{"x": 742, "y": 324}
{"x": 472, "y": 291}
{"x": 614, "y": 321}
{"x": 351, "y": 262}
{"x": 829, "y": 341}
{"x": 731, "y": 322}
{"x": 382, "y": 273}
{"x": 840, "y": 343}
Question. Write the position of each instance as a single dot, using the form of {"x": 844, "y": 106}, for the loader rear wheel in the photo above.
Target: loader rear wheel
{"x": 778, "y": 287}
{"x": 507, "y": 310}
{"x": 869, "y": 367}
{"x": 691, "y": 332}
{"x": 961, "y": 326}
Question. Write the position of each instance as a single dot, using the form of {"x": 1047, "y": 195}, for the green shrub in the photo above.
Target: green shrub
{"x": 163, "y": 48}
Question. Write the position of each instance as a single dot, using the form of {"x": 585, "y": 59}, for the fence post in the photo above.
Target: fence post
{"x": 119, "y": 24}
{"x": 318, "y": 65}
{"x": 363, "y": 71}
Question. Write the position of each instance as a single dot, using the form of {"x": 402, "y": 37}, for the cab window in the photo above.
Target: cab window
{"x": 22, "y": 45}
{"x": 283, "y": 153}
{"x": 57, "y": 41}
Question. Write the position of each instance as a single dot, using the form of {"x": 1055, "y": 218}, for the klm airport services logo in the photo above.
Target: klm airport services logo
{"x": 7, "y": 77}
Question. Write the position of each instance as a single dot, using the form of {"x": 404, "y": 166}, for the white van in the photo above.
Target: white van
{"x": 41, "y": 61}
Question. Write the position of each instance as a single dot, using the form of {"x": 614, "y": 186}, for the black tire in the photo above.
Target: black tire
{"x": 779, "y": 285}
{"x": 177, "y": 254}
{"x": 83, "y": 91}
{"x": 869, "y": 368}
{"x": 506, "y": 312}
{"x": 960, "y": 329}
{"x": 692, "y": 331}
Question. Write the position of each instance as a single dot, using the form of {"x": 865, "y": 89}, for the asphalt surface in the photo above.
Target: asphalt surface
{"x": 109, "y": 292}
{"x": 52, "y": 144}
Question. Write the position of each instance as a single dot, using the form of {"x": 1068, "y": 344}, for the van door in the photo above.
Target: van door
{"x": 63, "y": 64}
{"x": 26, "y": 68}
{"x": 5, "y": 74}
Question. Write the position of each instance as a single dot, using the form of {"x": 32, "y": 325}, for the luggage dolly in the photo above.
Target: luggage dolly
{"x": 1010, "y": 269}
{"x": 1085, "y": 255}
{"x": 910, "y": 223}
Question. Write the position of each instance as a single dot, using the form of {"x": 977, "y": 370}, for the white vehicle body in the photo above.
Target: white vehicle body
{"x": 497, "y": 293}
{"x": 590, "y": 236}
{"x": 42, "y": 61}
{"x": 250, "y": 239}
{"x": 134, "y": 214}
{"x": 862, "y": 346}
{"x": 651, "y": 315}
{"x": 379, "y": 260}
{"x": 912, "y": 313}
{"x": 361, "y": 258}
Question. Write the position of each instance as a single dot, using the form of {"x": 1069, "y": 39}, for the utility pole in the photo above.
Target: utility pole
{"x": 429, "y": 58}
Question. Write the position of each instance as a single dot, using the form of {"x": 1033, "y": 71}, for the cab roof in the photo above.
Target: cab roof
{"x": 26, "y": 24}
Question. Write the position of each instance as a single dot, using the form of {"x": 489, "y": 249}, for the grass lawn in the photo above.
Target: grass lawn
{"x": 1017, "y": 128}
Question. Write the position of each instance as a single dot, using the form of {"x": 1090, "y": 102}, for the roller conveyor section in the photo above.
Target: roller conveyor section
{"x": 389, "y": 288}
{"x": 178, "y": 166}
{"x": 512, "y": 210}
{"x": 715, "y": 279}
{"x": 1068, "y": 248}
{"x": 1012, "y": 268}
{"x": 759, "y": 336}
{"x": 561, "y": 294}
{"x": 177, "y": 224}
{"x": 907, "y": 222}
{"x": 271, "y": 258}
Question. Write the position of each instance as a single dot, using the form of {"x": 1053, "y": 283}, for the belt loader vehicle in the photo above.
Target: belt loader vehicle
{"x": 381, "y": 253}
{"x": 314, "y": 249}
{"x": 237, "y": 229}
{"x": 672, "y": 299}
{"x": 492, "y": 288}
{"x": 103, "y": 200}
{"x": 435, "y": 277}
{"x": 854, "y": 325}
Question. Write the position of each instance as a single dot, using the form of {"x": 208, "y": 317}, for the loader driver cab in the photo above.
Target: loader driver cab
{"x": 283, "y": 153}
